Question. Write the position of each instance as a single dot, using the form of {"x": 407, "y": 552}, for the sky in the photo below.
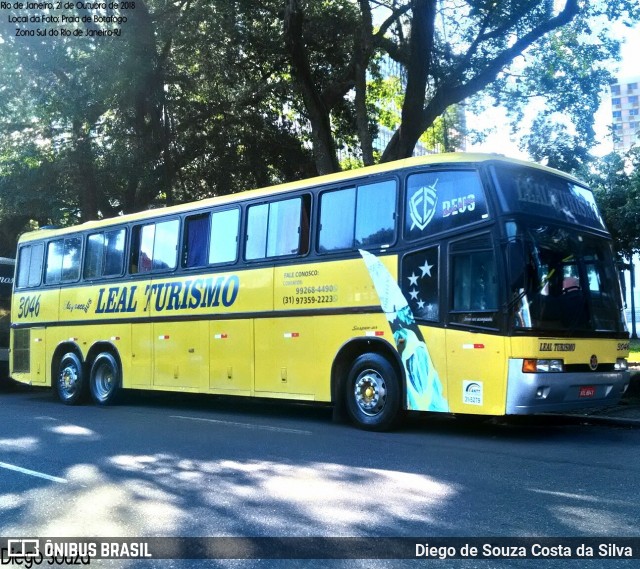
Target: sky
{"x": 502, "y": 142}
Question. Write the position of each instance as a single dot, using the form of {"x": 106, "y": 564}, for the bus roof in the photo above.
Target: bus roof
{"x": 427, "y": 160}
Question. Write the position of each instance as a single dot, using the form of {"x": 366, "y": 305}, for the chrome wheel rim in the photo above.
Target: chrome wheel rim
{"x": 370, "y": 392}
{"x": 69, "y": 381}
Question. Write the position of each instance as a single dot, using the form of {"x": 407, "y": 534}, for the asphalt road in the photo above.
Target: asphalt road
{"x": 177, "y": 465}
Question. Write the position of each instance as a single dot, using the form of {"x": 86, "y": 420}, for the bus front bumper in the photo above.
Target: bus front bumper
{"x": 529, "y": 393}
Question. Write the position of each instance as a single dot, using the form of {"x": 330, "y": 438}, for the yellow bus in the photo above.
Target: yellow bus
{"x": 458, "y": 283}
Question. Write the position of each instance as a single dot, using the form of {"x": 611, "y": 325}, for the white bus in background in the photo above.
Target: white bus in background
{"x": 7, "y": 267}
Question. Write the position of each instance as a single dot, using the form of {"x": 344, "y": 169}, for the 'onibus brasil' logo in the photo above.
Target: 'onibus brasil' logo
{"x": 422, "y": 206}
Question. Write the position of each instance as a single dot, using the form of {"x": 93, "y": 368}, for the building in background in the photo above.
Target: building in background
{"x": 625, "y": 106}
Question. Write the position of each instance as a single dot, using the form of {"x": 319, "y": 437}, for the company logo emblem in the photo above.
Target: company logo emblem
{"x": 472, "y": 392}
{"x": 422, "y": 206}
{"x": 593, "y": 362}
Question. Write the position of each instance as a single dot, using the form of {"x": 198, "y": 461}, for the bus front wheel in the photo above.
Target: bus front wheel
{"x": 104, "y": 380}
{"x": 70, "y": 383}
{"x": 373, "y": 393}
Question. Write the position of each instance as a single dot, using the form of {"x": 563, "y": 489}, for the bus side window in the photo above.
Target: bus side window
{"x": 225, "y": 226}
{"x": 165, "y": 246}
{"x": 114, "y": 252}
{"x": 474, "y": 281}
{"x": 337, "y": 219}
{"x": 94, "y": 256}
{"x": 358, "y": 217}
{"x": 257, "y": 220}
{"x": 30, "y": 262}
{"x": 71, "y": 259}
{"x": 53, "y": 271}
{"x": 305, "y": 228}
{"x": 375, "y": 214}
{"x": 196, "y": 241}
{"x": 63, "y": 260}
{"x": 154, "y": 246}
{"x": 105, "y": 254}
{"x": 278, "y": 228}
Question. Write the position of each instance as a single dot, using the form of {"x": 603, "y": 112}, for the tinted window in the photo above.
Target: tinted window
{"x": 155, "y": 246}
{"x": 358, "y": 217}
{"x": 55, "y": 251}
{"x": 474, "y": 282}
{"x": 105, "y": 254}
{"x": 536, "y": 192}
{"x": 114, "y": 252}
{"x": 337, "y": 214}
{"x": 442, "y": 200}
{"x": 93, "y": 256}
{"x": 63, "y": 260}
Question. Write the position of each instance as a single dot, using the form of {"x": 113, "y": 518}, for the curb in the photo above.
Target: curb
{"x": 605, "y": 420}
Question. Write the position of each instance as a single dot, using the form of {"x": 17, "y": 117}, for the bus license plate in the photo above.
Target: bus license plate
{"x": 587, "y": 391}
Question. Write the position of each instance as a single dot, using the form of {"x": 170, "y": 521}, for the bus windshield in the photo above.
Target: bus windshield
{"x": 562, "y": 280}
{"x": 534, "y": 192}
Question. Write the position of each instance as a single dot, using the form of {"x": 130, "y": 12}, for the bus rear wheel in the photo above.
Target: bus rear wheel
{"x": 373, "y": 393}
{"x": 70, "y": 381}
{"x": 104, "y": 379}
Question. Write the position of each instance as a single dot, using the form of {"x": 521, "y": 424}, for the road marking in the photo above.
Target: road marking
{"x": 32, "y": 472}
{"x": 246, "y": 425}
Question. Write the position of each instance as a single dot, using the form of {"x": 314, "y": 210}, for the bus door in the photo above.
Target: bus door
{"x": 476, "y": 353}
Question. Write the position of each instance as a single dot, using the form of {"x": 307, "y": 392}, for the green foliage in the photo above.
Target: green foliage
{"x": 616, "y": 184}
{"x": 206, "y": 97}
{"x": 189, "y": 102}
{"x": 552, "y": 144}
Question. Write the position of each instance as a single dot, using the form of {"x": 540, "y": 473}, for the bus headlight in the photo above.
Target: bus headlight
{"x": 621, "y": 365}
{"x": 542, "y": 366}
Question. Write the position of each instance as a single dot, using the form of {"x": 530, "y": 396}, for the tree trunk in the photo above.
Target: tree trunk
{"x": 362, "y": 56}
{"x": 324, "y": 150}
{"x": 85, "y": 176}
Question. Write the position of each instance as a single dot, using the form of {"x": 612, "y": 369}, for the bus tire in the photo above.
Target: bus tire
{"x": 373, "y": 393}
{"x": 105, "y": 379}
{"x": 70, "y": 380}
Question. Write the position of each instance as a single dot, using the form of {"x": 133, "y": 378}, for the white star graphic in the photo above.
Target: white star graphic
{"x": 426, "y": 268}
{"x": 413, "y": 293}
{"x": 413, "y": 279}
{"x": 421, "y": 304}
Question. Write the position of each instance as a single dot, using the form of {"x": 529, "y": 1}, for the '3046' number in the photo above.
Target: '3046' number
{"x": 29, "y": 306}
